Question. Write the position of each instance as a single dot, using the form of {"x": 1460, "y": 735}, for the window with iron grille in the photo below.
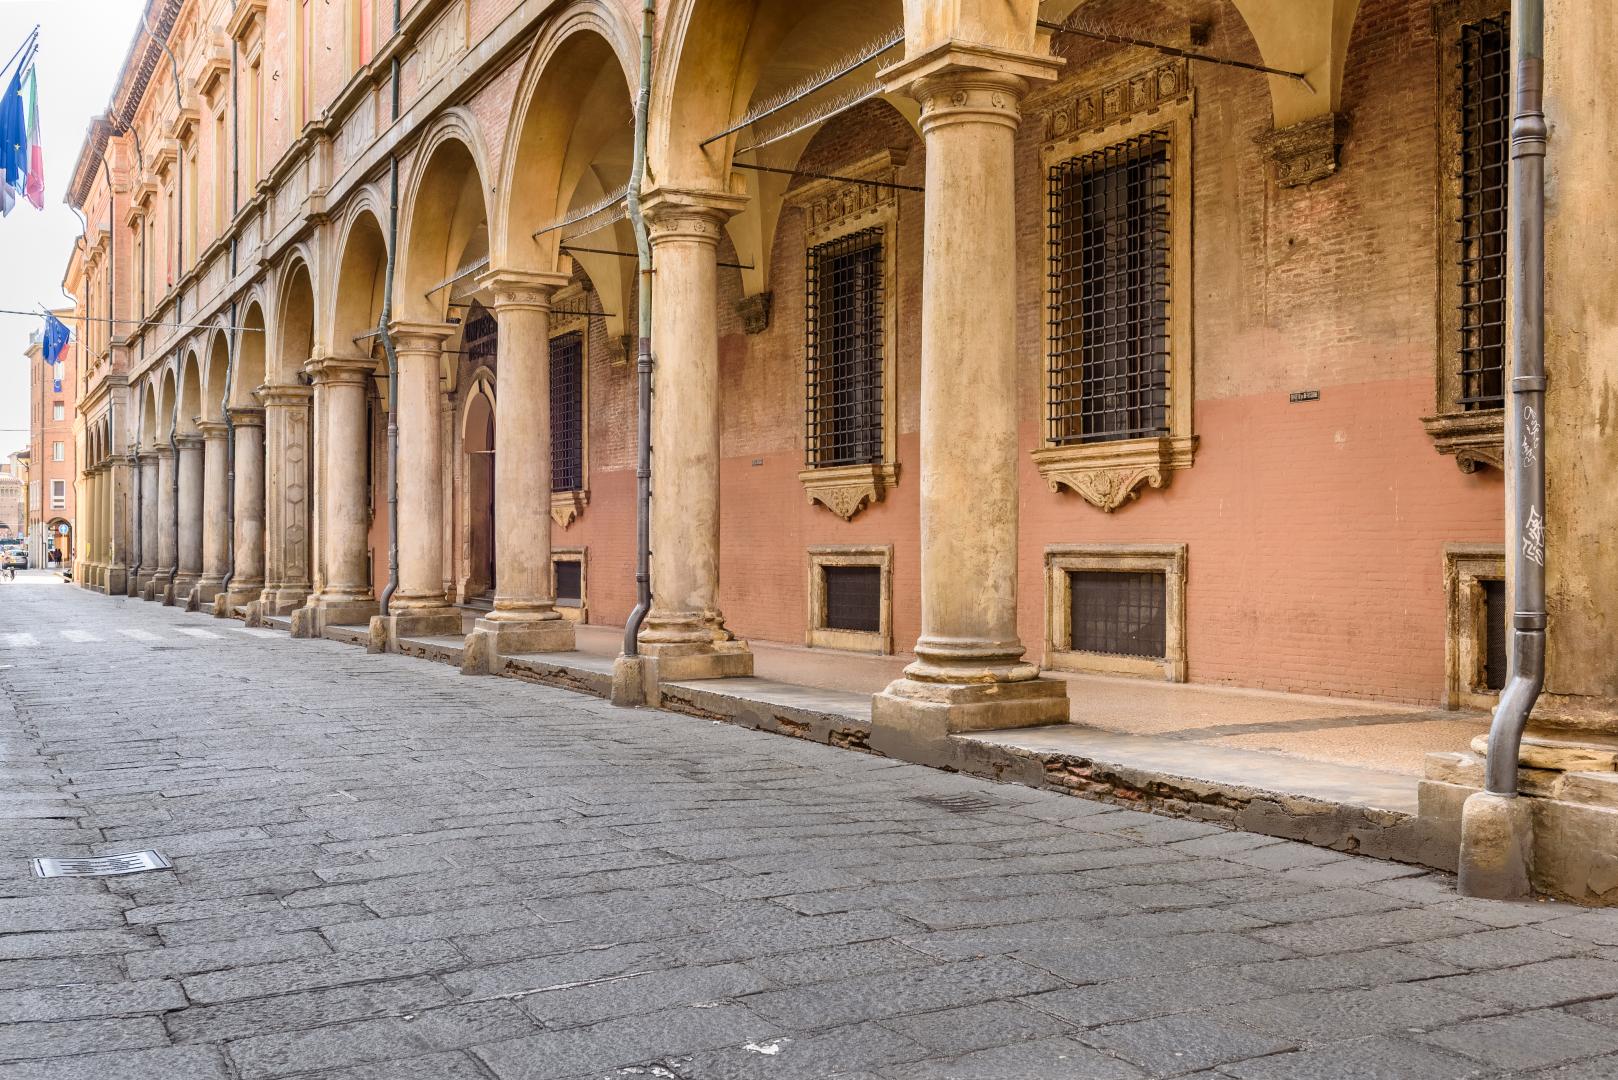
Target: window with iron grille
{"x": 1123, "y": 614}
{"x": 1494, "y": 634}
{"x": 1109, "y": 295}
{"x": 1485, "y": 119}
{"x": 567, "y": 412}
{"x": 482, "y": 336}
{"x": 843, "y": 328}
{"x": 569, "y": 582}
{"x": 854, "y": 598}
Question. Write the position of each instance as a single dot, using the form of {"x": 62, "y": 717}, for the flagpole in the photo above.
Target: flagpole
{"x": 32, "y": 38}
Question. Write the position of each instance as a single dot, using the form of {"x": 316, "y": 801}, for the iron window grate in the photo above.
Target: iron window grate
{"x": 1494, "y": 634}
{"x": 843, "y": 301}
{"x": 854, "y": 598}
{"x": 482, "y": 336}
{"x": 1485, "y": 119}
{"x": 569, "y": 583}
{"x": 1119, "y": 613}
{"x": 567, "y": 412}
{"x": 1109, "y": 293}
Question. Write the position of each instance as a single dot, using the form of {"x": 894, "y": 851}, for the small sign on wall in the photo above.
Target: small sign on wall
{"x": 1303, "y": 395}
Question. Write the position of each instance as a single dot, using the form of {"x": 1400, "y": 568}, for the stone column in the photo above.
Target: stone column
{"x": 419, "y": 607}
{"x": 215, "y": 520}
{"x": 167, "y": 552}
{"x": 969, "y": 672}
{"x": 524, "y": 619}
{"x": 286, "y": 498}
{"x": 118, "y": 554}
{"x": 92, "y": 478}
{"x": 190, "y": 517}
{"x": 149, "y": 557}
{"x": 247, "y": 548}
{"x": 685, "y": 630}
{"x": 344, "y": 596}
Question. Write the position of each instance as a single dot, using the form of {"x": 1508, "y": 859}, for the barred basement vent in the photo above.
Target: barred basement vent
{"x": 957, "y": 804}
{"x": 102, "y": 865}
{"x": 569, "y": 583}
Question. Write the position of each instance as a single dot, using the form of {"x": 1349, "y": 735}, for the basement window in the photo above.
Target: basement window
{"x": 1479, "y": 624}
{"x": 1116, "y": 609}
{"x": 851, "y": 598}
{"x": 567, "y": 580}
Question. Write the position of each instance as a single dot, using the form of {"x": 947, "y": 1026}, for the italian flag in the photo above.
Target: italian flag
{"x": 35, "y": 188}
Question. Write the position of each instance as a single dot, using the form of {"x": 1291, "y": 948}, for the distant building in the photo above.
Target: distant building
{"x": 13, "y": 505}
{"x": 53, "y": 457}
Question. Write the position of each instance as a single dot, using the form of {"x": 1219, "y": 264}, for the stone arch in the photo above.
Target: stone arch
{"x": 444, "y": 218}
{"x": 250, "y": 349}
{"x": 359, "y": 282}
{"x": 148, "y": 415}
{"x": 166, "y": 399}
{"x": 217, "y": 375}
{"x": 190, "y": 391}
{"x": 294, "y": 326}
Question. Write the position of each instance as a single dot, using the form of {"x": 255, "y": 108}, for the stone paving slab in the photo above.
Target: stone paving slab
{"x": 387, "y": 871}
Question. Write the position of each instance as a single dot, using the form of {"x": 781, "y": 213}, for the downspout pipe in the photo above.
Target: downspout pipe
{"x": 1525, "y": 453}
{"x": 643, "y": 361}
{"x": 230, "y": 369}
{"x": 174, "y": 476}
{"x": 385, "y": 332}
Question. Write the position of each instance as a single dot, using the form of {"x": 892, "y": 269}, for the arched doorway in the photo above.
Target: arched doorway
{"x": 477, "y": 436}
{"x": 58, "y": 542}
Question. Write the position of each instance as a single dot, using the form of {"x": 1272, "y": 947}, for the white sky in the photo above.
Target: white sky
{"x": 82, "y": 46}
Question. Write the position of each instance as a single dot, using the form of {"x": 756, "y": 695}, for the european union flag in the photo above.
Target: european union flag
{"x": 54, "y": 339}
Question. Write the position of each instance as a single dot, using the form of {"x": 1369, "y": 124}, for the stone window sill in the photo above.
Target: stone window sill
{"x": 1109, "y": 474}
{"x": 846, "y": 489}
{"x": 1474, "y": 438}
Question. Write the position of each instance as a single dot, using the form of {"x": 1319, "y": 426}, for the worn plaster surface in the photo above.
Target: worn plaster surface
{"x": 384, "y": 869}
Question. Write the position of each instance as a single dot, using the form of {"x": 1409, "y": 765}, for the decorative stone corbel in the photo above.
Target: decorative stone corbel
{"x": 846, "y": 489}
{"x": 566, "y": 506}
{"x": 755, "y": 312}
{"x": 1108, "y": 475}
{"x": 1306, "y": 152}
{"x": 1476, "y": 439}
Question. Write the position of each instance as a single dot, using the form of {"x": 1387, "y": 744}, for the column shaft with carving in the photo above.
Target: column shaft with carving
{"x": 287, "y": 556}
{"x": 969, "y": 671}
{"x": 189, "y": 509}
{"x": 685, "y": 630}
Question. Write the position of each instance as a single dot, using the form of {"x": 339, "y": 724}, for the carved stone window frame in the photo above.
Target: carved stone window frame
{"x": 1466, "y": 567}
{"x": 1475, "y": 438}
{"x": 833, "y": 209}
{"x": 818, "y": 635}
{"x": 1166, "y": 559}
{"x": 1079, "y": 121}
{"x": 568, "y": 506}
{"x": 581, "y": 613}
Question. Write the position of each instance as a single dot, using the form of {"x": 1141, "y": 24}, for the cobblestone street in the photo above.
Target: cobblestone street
{"x": 386, "y": 870}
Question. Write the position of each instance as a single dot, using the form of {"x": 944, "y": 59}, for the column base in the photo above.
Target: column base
{"x": 179, "y": 595}
{"x": 388, "y": 630}
{"x": 283, "y": 600}
{"x": 208, "y": 588}
{"x": 236, "y": 596}
{"x": 912, "y": 714}
{"x": 682, "y": 661}
{"x": 491, "y": 640}
{"x": 311, "y": 620}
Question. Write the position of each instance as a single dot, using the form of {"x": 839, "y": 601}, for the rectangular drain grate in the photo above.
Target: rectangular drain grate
{"x": 957, "y": 804}
{"x": 102, "y": 865}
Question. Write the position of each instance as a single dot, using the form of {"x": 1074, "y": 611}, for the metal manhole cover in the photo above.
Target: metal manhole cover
{"x": 958, "y": 804}
{"x": 102, "y": 865}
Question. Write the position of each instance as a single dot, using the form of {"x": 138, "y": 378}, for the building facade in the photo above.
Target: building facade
{"x": 1011, "y": 351}
{"x": 53, "y": 455}
{"x": 13, "y": 500}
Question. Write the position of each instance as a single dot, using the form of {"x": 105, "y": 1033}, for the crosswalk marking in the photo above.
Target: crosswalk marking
{"x": 140, "y": 635}
{"x": 195, "y": 632}
{"x": 258, "y": 631}
{"x": 21, "y": 641}
{"x": 78, "y": 635}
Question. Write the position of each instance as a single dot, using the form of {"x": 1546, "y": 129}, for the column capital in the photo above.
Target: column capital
{"x": 689, "y": 214}
{"x": 212, "y": 429}
{"x": 354, "y": 370}
{"x": 188, "y": 442}
{"x": 284, "y": 394}
{"x": 420, "y": 336}
{"x": 520, "y": 290}
{"x": 246, "y": 416}
{"x": 161, "y": 453}
{"x": 964, "y": 82}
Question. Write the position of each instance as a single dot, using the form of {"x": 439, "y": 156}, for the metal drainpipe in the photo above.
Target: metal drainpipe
{"x": 386, "y": 333}
{"x": 174, "y": 476}
{"x": 1525, "y": 456}
{"x": 643, "y": 361}
{"x": 230, "y": 370}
